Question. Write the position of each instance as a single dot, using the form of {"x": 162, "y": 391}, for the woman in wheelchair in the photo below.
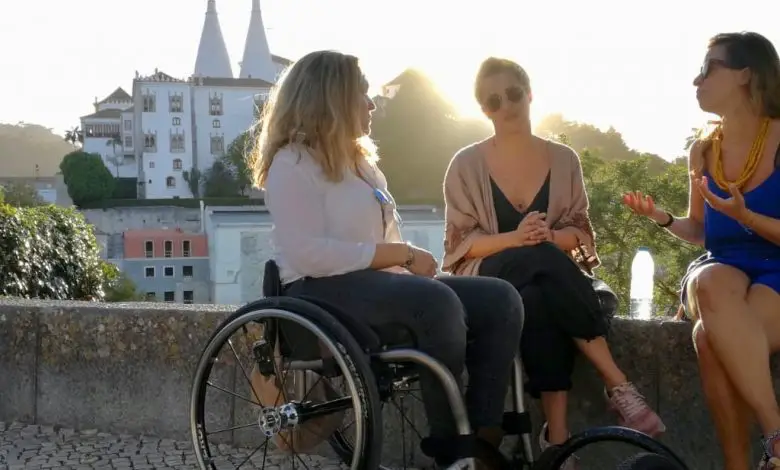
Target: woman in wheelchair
{"x": 337, "y": 238}
{"x": 515, "y": 208}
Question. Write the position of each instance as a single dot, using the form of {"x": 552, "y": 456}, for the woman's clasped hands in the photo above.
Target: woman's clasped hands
{"x": 533, "y": 229}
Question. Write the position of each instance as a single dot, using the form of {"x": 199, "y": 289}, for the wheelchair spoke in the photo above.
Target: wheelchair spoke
{"x": 243, "y": 370}
{"x": 221, "y": 389}
{"x": 253, "y": 453}
{"x": 242, "y": 426}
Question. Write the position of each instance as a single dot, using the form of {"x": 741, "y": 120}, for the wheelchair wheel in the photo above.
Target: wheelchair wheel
{"x": 264, "y": 392}
{"x": 648, "y": 461}
{"x": 555, "y": 456}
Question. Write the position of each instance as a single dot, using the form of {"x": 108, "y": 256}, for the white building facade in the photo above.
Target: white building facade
{"x": 170, "y": 126}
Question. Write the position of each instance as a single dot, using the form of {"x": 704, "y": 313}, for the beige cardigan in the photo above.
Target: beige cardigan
{"x": 469, "y": 209}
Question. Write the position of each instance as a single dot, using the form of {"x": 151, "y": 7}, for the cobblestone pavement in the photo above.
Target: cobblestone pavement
{"x": 33, "y": 447}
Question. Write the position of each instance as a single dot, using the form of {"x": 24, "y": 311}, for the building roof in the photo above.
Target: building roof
{"x": 257, "y": 61}
{"x": 105, "y": 114}
{"x": 157, "y": 76}
{"x": 231, "y": 82}
{"x": 212, "y": 59}
{"x": 117, "y": 96}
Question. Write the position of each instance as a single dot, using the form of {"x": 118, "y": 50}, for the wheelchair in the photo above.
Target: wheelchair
{"x": 299, "y": 411}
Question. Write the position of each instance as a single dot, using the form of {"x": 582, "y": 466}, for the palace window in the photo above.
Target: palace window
{"x": 177, "y": 164}
{"x": 170, "y": 182}
{"x": 217, "y": 145}
{"x": 150, "y": 102}
{"x": 215, "y": 105}
{"x": 177, "y": 142}
{"x": 176, "y": 103}
{"x": 150, "y": 142}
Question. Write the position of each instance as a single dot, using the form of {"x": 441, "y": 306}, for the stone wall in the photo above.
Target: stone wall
{"x": 127, "y": 368}
{"x": 121, "y": 219}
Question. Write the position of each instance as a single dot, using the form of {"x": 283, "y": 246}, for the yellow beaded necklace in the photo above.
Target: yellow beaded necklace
{"x": 751, "y": 165}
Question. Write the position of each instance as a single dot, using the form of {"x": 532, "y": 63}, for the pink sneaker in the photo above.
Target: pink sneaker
{"x": 634, "y": 411}
{"x": 768, "y": 462}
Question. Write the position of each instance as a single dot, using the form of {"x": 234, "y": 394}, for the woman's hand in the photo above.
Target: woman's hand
{"x": 423, "y": 262}
{"x": 639, "y": 203}
{"x": 533, "y": 229}
{"x": 733, "y": 207}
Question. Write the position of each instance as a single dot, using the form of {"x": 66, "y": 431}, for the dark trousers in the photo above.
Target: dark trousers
{"x": 471, "y": 321}
{"x": 560, "y": 304}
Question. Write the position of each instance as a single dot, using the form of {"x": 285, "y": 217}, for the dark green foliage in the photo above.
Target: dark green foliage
{"x": 87, "y": 178}
{"x": 48, "y": 252}
{"x": 125, "y": 188}
{"x": 118, "y": 287}
{"x": 219, "y": 181}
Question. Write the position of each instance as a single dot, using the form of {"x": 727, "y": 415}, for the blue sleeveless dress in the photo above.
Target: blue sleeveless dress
{"x": 729, "y": 242}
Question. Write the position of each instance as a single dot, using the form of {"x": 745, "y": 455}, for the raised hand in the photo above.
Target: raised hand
{"x": 639, "y": 203}
{"x": 733, "y": 207}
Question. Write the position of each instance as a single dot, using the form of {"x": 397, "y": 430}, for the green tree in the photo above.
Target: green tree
{"x": 418, "y": 132}
{"x": 49, "y": 252}
{"x": 235, "y": 160}
{"x": 119, "y": 287}
{"x": 20, "y": 194}
{"x": 194, "y": 179}
{"x": 116, "y": 159}
{"x": 620, "y": 232}
{"x": 87, "y": 178}
{"x": 219, "y": 181}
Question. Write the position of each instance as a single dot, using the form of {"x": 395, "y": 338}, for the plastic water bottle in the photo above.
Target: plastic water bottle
{"x": 642, "y": 274}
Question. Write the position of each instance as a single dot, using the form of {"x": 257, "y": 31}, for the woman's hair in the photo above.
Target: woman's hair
{"x": 755, "y": 52}
{"x": 494, "y": 66}
{"x": 316, "y": 103}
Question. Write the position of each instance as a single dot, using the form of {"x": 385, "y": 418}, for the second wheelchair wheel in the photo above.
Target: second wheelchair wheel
{"x": 554, "y": 457}
{"x": 648, "y": 461}
{"x": 262, "y": 391}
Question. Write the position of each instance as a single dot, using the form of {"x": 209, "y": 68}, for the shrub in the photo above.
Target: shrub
{"x": 49, "y": 252}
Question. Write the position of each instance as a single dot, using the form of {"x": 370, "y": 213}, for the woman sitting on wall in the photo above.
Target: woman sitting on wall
{"x": 516, "y": 209}
{"x": 337, "y": 238}
{"x": 733, "y": 291}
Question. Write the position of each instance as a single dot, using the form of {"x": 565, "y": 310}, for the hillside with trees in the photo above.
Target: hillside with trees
{"x": 30, "y": 150}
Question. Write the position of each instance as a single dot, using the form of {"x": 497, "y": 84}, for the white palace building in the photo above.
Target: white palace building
{"x": 168, "y": 125}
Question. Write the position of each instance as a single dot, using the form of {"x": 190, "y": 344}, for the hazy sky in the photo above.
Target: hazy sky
{"x": 598, "y": 61}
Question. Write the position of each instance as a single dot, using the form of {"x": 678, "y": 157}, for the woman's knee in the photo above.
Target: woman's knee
{"x": 490, "y": 303}
{"x": 439, "y": 314}
{"x": 713, "y": 284}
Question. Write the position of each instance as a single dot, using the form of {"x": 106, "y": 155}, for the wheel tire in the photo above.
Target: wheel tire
{"x": 306, "y": 314}
{"x": 648, "y": 461}
{"x": 555, "y": 456}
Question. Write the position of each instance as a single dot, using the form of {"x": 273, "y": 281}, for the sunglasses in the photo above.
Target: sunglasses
{"x": 707, "y": 66}
{"x": 513, "y": 94}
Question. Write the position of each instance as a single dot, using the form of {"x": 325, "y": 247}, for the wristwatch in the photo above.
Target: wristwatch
{"x": 667, "y": 224}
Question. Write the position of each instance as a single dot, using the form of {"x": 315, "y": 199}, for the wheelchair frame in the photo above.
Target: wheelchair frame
{"x": 516, "y": 422}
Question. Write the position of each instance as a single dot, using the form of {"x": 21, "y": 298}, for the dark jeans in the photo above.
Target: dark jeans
{"x": 560, "y": 304}
{"x": 474, "y": 321}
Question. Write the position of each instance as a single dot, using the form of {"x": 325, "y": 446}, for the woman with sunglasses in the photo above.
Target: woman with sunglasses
{"x": 337, "y": 238}
{"x": 516, "y": 209}
{"x": 733, "y": 291}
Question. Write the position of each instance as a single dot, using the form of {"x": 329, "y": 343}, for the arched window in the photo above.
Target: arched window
{"x": 170, "y": 182}
{"x": 177, "y": 163}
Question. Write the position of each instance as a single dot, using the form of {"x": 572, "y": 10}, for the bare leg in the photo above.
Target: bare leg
{"x": 729, "y": 411}
{"x": 598, "y": 353}
{"x": 738, "y": 338}
{"x": 764, "y": 303}
{"x": 554, "y": 407}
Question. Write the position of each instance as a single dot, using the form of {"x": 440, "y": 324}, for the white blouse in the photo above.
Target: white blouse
{"x": 322, "y": 228}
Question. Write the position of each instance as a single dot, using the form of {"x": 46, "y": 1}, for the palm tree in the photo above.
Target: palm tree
{"x": 117, "y": 160}
{"x": 74, "y": 135}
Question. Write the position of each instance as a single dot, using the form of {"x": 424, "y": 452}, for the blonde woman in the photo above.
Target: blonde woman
{"x": 733, "y": 291}
{"x": 337, "y": 238}
{"x": 517, "y": 210}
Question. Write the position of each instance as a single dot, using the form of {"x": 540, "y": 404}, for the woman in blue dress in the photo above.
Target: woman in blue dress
{"x": 732, "y": 293}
